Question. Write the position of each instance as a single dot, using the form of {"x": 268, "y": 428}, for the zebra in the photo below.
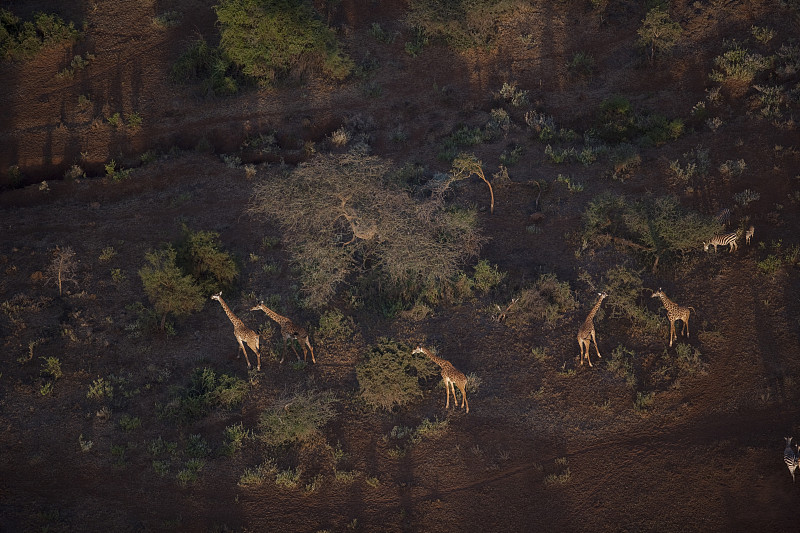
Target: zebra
{"x": 723, "y": 217}
{"x": 790, "y": 457}
{"x": 749, "y": 234}
{"x": 726, "y": 239}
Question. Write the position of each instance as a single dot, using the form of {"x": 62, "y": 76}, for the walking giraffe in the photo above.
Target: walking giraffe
{"x": 674, "y": 312}
{"x": 244, "y": 335}
{"x": 289, "y": 330}
{"x": 452, "y": 377}
{"x": 586, "y": 333}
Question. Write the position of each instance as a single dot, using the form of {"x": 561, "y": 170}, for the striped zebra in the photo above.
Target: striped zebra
{"x": 726, "y": 239}
{"x": 790, "y": 457}
{"x": 723, "y": 217}
{"x": 749, "y": 234}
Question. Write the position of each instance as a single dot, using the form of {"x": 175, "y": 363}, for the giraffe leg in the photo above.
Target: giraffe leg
{"x": 447, "y": 392}
{"x": 595, "y": 347}
{"x": 580, "y": 345}
{"x": 241, "y": 345}
{"x": 671, "y": 331}
{"x": 295, "y": 349}
{"x": 308, "y": 343}
{"x": 463, "y": 397}
{"x": 686, "y": 323}
{"x": 257, "y": 350}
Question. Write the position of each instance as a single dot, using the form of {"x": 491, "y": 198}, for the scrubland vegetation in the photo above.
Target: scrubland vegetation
{"x": 466, "y": 176}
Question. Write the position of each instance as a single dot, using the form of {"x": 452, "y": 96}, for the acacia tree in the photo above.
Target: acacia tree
{"x": 343, "y": 219}
{"x": 658, "y": 33}
{"x": 268, "y": 38}
{"x": 464, "y": 166}
{"x": 167, "y": 287}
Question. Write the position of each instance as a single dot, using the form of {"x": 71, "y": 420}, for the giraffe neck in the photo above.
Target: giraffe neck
{"x": 594, "y": 310}
{"x": 233, "y": 318}
{"x": 669, "y": 305}
{"x": 273, "y": 315}
{"x": 438, "y": 360}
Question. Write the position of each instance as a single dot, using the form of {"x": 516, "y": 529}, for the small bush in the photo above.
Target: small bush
{"x": 52, "y": 367}
{"x": 100, "y": 389}
{"x": 190, "y": 472}
{"x": 621, "y": 364}
{"x": 515, "y": 96}
{"x": 288, "y": 478}
{"x": 389, "y": 375}
{"x": 547, "y": 299}
{"x": 209, "y": 66}
{"x": 130, "y": 423}
{"x": 296, "y": 418}
{"x": 334, "y": 326}
{"x": 167, "y": 287}
{"x": 256, "y": 476}
{"x": 746, "y": 197}
{"x": 204, "y": 392}
{"x": 581, "y": 64}
{"x": 739, "y": 64}
{"x": 486, "y": 276}
{"x": 200, "y": 255}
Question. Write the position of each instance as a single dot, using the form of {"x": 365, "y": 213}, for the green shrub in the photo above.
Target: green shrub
{"x": 190, "y": 472}
{"x": 205, "y": 391}
{"x": 296, "y": 418}
{"x": 581, "y": 64}
{"x": 273, "y": 38}
{"x": 644, "y": 401}
{"x": 167, "y": 287}
{"x": 334, "y": 326}
{"x": 626, "y": 287}
{"x": 487, "y": 276}
{"x": 209, "y": 66}
{"x": 770, "y": 264}
{"x": 100, "y": 389}
{"x": 621, "y": 364}
{"x": 389, "y": 374}
{"x": 234, "y": 438}
{"x": 256, "y": 476}
{"x": 696, "y": 167}
{"x": 21, "y": 40}
{"x": 52, "y": 367}
{"x": 737, "y": 63}
{"x": 200, "y": 255}
{"x": 130, "y": 423}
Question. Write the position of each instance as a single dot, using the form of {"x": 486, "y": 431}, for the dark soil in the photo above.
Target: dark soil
{"x": 704, "y": 456}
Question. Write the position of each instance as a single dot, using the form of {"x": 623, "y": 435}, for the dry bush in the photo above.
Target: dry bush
{"x": 547, "y": 299}
{"x": 62, "y": 268}
{"x": 343, "y": 219}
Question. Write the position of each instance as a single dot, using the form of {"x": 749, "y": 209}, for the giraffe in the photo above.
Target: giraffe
{"x": 674, "y": 312}
{"x": 289, "y": 330}
{"x": 452, "y": 377}
{"x": 586, "y": 333}
{"x": 243, "y": 334}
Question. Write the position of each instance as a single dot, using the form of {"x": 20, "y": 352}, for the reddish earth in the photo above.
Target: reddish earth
{"x": 706, "y": 455}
